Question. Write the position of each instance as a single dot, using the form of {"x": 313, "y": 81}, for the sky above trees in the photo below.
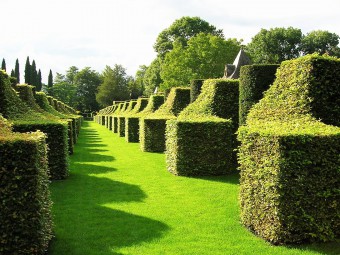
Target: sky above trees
{"x": 95, "y": 33}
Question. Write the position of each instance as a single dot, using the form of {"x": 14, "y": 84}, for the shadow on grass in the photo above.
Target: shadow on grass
{"x": 233, "y": 178}
{"x": 84, "y": 222}
{"x": 329, "y": 248}
{"x": 92, "y": 169}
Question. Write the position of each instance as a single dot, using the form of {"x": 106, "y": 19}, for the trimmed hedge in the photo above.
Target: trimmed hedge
{"x": 121, "y": 117}
{"x": 254, "y": 81}
{"x": 25, "y": 218}
{"x": 195, "y": 89}
{"x": 132, "y": 122}
{"x": 26, "y": 119}
{"x": 201, "y": 140}
{"x": 289, "y": 155}
{"x": 152, "y": 127}
{"x": 121, "y": 108}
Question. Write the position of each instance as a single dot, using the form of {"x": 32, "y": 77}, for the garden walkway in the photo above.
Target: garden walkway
{"x": 119, "y": 200}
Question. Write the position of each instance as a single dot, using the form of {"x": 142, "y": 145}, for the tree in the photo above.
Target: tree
{"x": 322, "y": 42}
{"x": 204, "y": 57}
{"x": 39, "y": 82}
{"x": 275, "y": 45}
{"x": 71, "y": 74}
{"x": 65, "y": 92}
{"x": 17, "y": 71}
{"x": 114, "y": 86}
{"x": 50, "y": 79}
{"x": 28, "y": 71}
{"x": 3, "y": 65}
{"x": 87, "y": 82}
{"x": 181, "y": 31}
{"x": 152, "y": 77}
{"x": 12, "y": 73}
{"x": 34, "y": 74}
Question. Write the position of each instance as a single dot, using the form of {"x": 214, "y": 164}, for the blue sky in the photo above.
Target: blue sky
{"x": 60, "y": 33}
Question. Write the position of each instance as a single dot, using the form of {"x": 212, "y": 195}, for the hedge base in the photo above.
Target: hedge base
{"x": 199, "y": 148}
{"x": 290, "y": 186}
{"x": 132, "y": 129}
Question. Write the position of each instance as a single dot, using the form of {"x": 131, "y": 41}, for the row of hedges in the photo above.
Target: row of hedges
{"x": 26, "y": 119}
{"x": 122, "y": 115}
{"x": 25, "y": 218}
{"x": 201, "y": 140}
{"x": 289, "y": 155}
{"x": 152, "y": 126}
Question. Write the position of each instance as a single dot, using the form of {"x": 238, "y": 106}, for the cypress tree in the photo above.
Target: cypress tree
{"x": 16, "y": 71}
{"x": 50, "y": 79}
{"x": 28, "y": 71}
{"x": 3, "y": 65}
{"x": 34, "y": 74}
{"x": 12, "y": 73}
{"x": 39, "y": 83}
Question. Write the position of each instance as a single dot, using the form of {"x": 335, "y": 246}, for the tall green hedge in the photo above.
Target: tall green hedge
{"x": 289, "y": 155}
{"x": 122, "y": 107}
{"x": 25, "y": 208}
{"x": 152, "y": 127}
{"x": 201, "y": 140}
{"x": 132, "y": 122}
{"x": 254, "y": 81}
{"x": 26, "y": 119}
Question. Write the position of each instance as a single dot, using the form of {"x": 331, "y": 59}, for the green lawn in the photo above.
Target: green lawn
{"x": 119, "y": 200}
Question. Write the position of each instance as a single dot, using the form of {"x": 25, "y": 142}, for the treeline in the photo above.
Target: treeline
{"x": 190, "y": 48}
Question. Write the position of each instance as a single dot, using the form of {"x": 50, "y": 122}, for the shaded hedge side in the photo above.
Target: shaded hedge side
{"x": 289, "y": 155}
{"x": 25, "y": 218}
{"x": 195, "y": 89}
{"x": 201, "y": 140}
{"x": 121, "y": 118}
{"x": 254, "y": 81}
{"x": 152, "y": 126}
{"x": 132, "y": 122}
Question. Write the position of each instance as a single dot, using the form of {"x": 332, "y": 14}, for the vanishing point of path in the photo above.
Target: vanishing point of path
{"x": 119, "y": 200}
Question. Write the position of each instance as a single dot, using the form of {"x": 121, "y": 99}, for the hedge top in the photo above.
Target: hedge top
{"x": 218, "y": 100}
{"x": 176, "y": 101}
{"x": 129, "y": 107}
{"x": 305, "y": 97}
{"x": 140, "y": 106}
{"x": 42, "y": 101}
{"x": 154, "y": 102}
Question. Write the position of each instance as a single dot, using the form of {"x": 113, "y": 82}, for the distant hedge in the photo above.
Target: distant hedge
{"x": 152, "y": 127}
{"x": 254, "y": 81}
{"x": 195, "y": 89}
{"x": 26, "y": 119}
{"x": 25, "y": 218}
{"x": 115, "y": 115}
{"x": 121, "y": 117}
{"x": 132, "y": 122}
{"x": 201, "y": 140}
{"x": 289, "y": 155}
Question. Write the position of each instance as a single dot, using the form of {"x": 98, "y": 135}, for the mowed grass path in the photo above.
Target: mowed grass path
{"x": 119, "y": 200}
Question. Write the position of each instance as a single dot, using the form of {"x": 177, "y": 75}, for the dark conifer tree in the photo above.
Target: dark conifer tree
{"x": 34, "y": 74}
{"x": 28, "y": 71}
{"x": 16, "y": 71}
{"x": 3, "y": 65}
{"x": 39, "y": 83}
{"x": 12, "y": 73}
{"x": 50, "y": 79}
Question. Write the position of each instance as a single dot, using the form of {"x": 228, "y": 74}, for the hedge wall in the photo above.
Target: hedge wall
{"x": 152, "y": 127}
{"x": 254, "y": 81}
{"x": 132, "y": 122}
{"x": 25, "y": 218}
{"x": 195, "y": 89}
{"x": 121, "y": 108}
{"x": 121, "y": 118}
{"x": 25, "y": 120}
{"x": 289, "y": 155}
{"x": 201, "y": 140}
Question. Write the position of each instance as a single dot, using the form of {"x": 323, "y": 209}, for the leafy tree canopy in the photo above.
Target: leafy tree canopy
{"x": 181, "y": 31}
{"x": 204, "y": 57}
{"x": 152, "y": 77}
{"x": 322, "y": 42}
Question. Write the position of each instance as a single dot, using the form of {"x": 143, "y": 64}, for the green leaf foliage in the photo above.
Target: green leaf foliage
{"x": 201, "y": 140}
{"x": 27, "y": 119}
{"x": 289, "y": 155}
{"x": 195, "y": 89}
{"x": 254, "y": 81}
{"x": 121, "y": 118}
{"x": 152, "y": 126}
{"x": 25, "y": 219}
{"x": 132, "y": 122}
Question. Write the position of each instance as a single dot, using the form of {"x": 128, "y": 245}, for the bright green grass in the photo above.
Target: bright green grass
{"x": 119, "y": 200}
